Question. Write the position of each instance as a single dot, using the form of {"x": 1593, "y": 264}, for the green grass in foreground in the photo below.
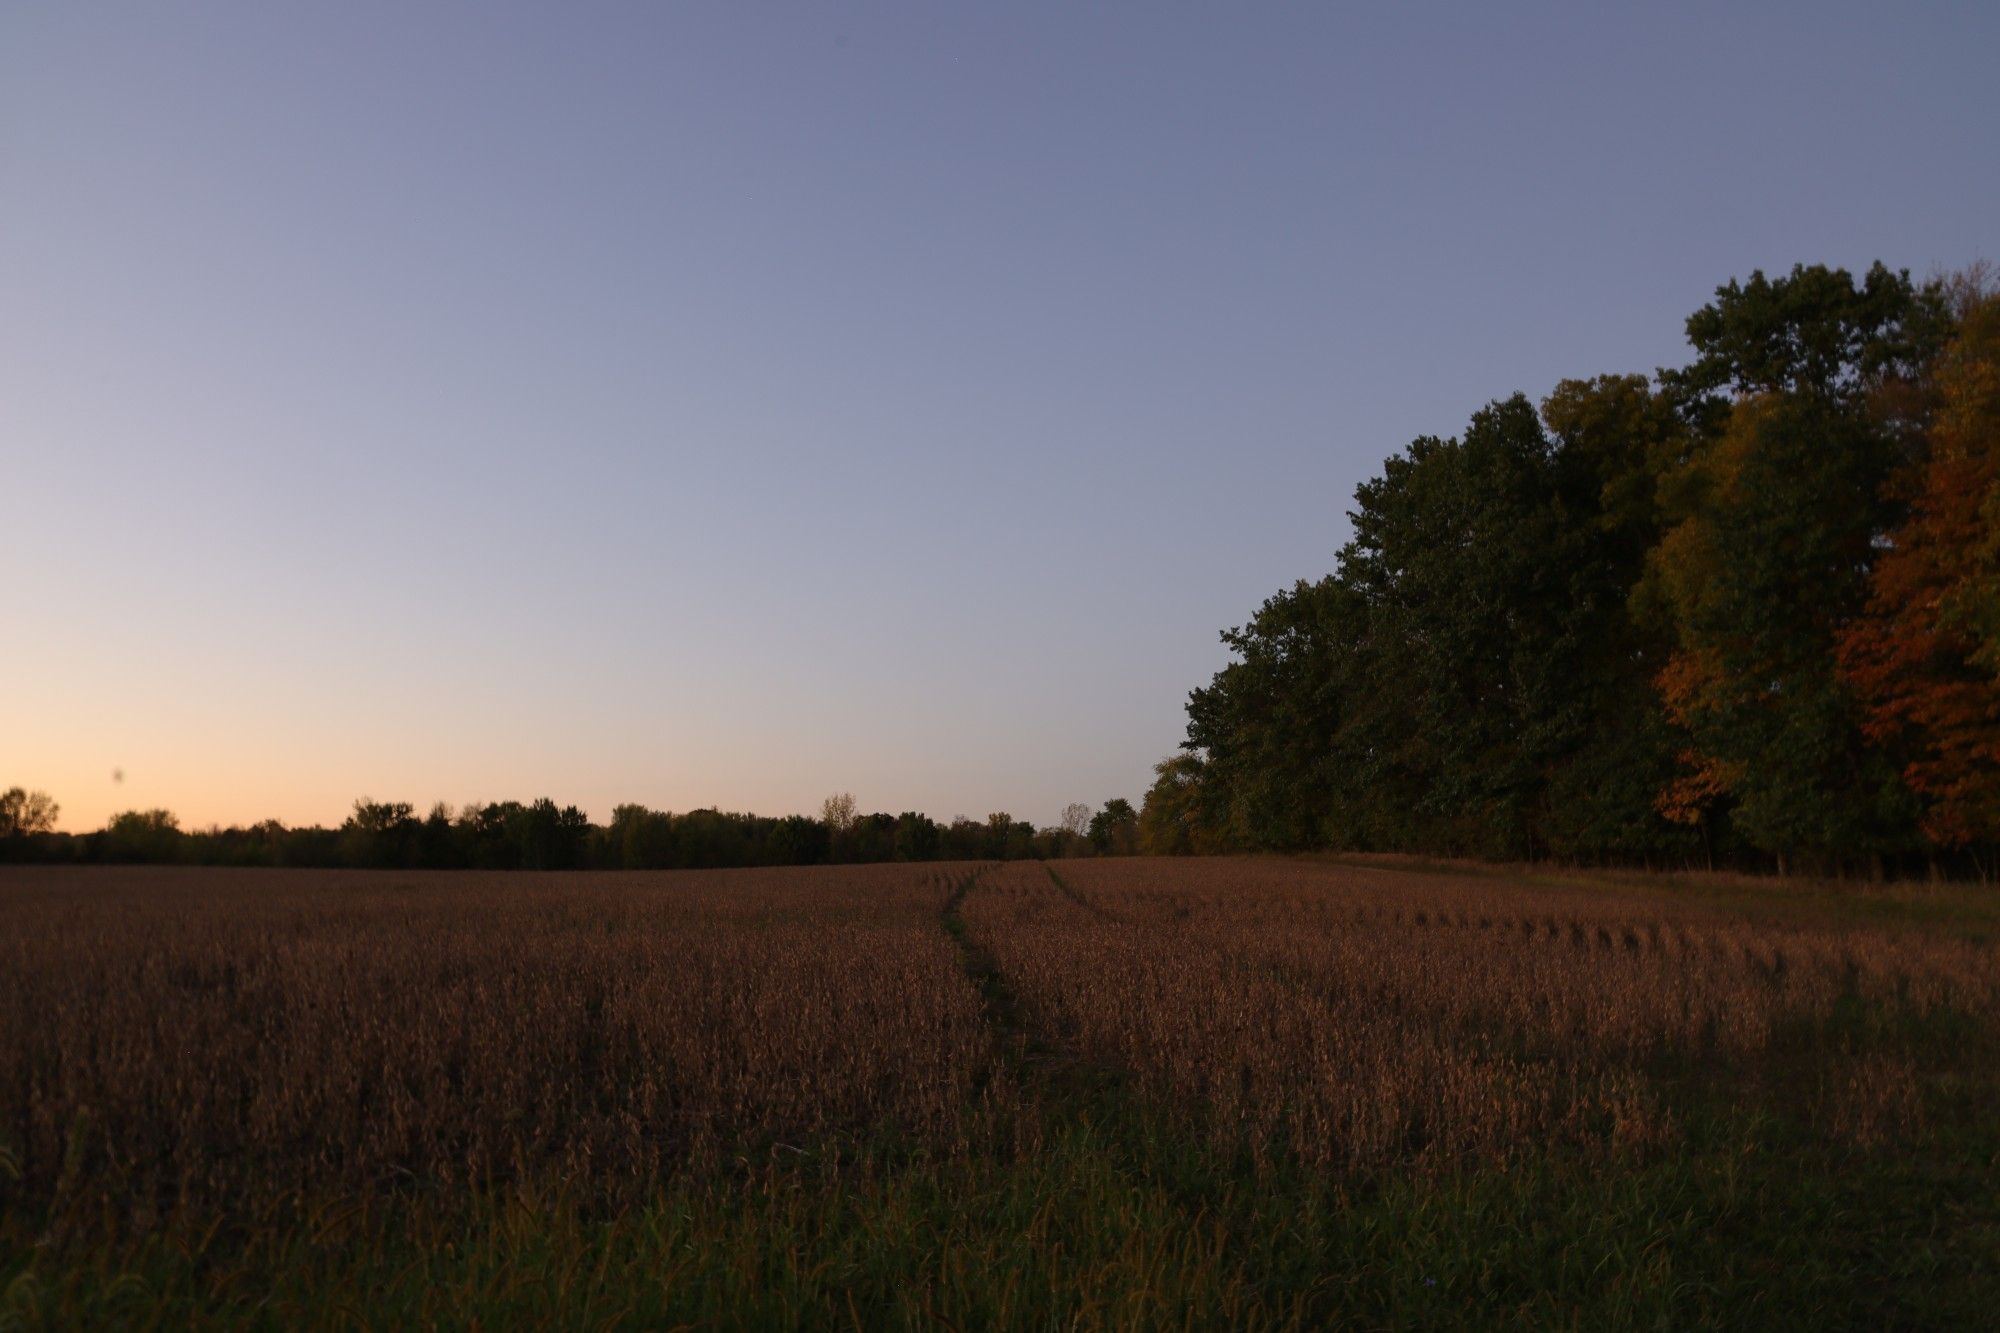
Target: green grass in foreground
{"x": 1111, "y": 1222}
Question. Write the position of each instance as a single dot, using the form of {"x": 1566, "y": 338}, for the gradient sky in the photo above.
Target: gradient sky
{"x": 731, "y": 403}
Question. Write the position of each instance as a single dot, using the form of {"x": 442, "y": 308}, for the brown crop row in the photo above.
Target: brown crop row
{"x": 1359, "y": 1017}
{"x": 181, "y": 1037}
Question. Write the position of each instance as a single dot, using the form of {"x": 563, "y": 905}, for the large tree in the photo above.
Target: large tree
{"x": 1473, "y": 575}
{"x": 1613, "y": 436}
{"x": 1925, "y": 656}
{"x": 1797, "y": 397}
{"x": 1268, "y": 729}
{"x": 1470, "y": 678}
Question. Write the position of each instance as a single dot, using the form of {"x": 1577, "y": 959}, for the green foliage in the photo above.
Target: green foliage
{"x": 1114, "y": 830}
{"x": 1608, "y": 633}
{"x": 142, "y": 835}
{"x": 1773, "y": 523}
{"x": 1270, "y": 725}
{"x": 1173, "y": 821}
{"x": 1112, "y": 1223}
{"x": 1815, "y": 332}
{"x": 1470, "y": 674}
{"x": 541, "y": 835}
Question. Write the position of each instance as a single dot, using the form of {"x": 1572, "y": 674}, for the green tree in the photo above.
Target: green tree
{"x": 1114, "y": 830}
{"x": 382, "y": 834}
{"x": 1614, "y": 436}
{"x": 1270, "y": 729}
{"x": 1776, "y": 515}
{"x": 1173, "y": 820}
{"x": 1479, "y": 589}
{"x": 143, "y": 835}
{"x": 917, "y": 837}
{"x": 1815, "y": 332}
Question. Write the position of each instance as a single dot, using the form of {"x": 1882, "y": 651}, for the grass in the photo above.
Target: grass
{"x": 1112, "y": 1221}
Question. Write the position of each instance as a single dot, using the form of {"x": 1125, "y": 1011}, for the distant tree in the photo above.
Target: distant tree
{"x": 381, "y": 834}
{"x": 709, "y": 839}
{"x": 999, "y": 827}
{"x": 637, "y": 839}
{"x": 797, "y": 840}
{"x": 381, "y": 816}
{"x": 25, "y": 813}
{"x": 838, "y": 812}
{"x": 872, "y": 837}
{"x": 143, "y": 835}
{"x": 1291, "y": 735}
{"x": 437, "y": 845}
{"x": 1068, "y": 836}
{"x": 484, "y": 833}
{"x": 1114, "y": 830}
{"x": 549, "y": 837}
{"x": 1173, "y": 819}
{"x": 918, "y": 837}
{"x": 963, "y": 840}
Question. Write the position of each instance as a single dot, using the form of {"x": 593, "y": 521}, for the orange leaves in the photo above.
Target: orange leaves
{"x": 1922, "y": 657}
{"x": 1691, "y": 682}
{"x": 1690, "y": 679}
{"x": 1692, "y": 794}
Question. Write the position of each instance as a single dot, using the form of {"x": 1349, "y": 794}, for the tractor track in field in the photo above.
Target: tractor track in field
{"x": 1015, "y": 1039}
{"x": 1038, "y": 1061}
{"x": 1097, "y": 910}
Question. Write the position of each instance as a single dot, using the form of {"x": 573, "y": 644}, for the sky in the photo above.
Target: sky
{"x": 730, "y": 404}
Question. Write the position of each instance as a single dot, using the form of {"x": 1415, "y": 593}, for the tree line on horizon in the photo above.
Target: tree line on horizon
{"x": 541, "y": 835}
{"x": 1741, "y": 613}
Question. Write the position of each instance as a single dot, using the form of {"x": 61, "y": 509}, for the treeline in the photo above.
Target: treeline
{"x": 510, "y": 835}
{"x": 1745, "y": 612}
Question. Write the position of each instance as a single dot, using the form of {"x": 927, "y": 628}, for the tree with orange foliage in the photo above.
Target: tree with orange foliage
{"x": 1925, "y": 657}
{"x": 1772, "y": 519}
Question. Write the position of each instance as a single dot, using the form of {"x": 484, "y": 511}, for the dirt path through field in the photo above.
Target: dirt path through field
{"x": 1003, "y": 1007}
{"x": 1097, "y": 910}
{"x": 1042, "y": 1067}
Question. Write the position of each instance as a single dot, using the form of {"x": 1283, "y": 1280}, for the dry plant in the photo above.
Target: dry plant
{"x": 1355, "y": 1017}
{"x": 178, "y": 1038}
{"x": 173, "y": 1041}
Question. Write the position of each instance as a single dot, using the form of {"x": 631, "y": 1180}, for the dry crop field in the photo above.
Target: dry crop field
{"x": 1113, "y": 1093}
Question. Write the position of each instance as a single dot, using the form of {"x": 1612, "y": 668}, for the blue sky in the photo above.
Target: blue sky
{"x": 728, "y": 404}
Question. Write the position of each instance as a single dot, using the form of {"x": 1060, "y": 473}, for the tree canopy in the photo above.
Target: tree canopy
{"x": 1745, "y": 609}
